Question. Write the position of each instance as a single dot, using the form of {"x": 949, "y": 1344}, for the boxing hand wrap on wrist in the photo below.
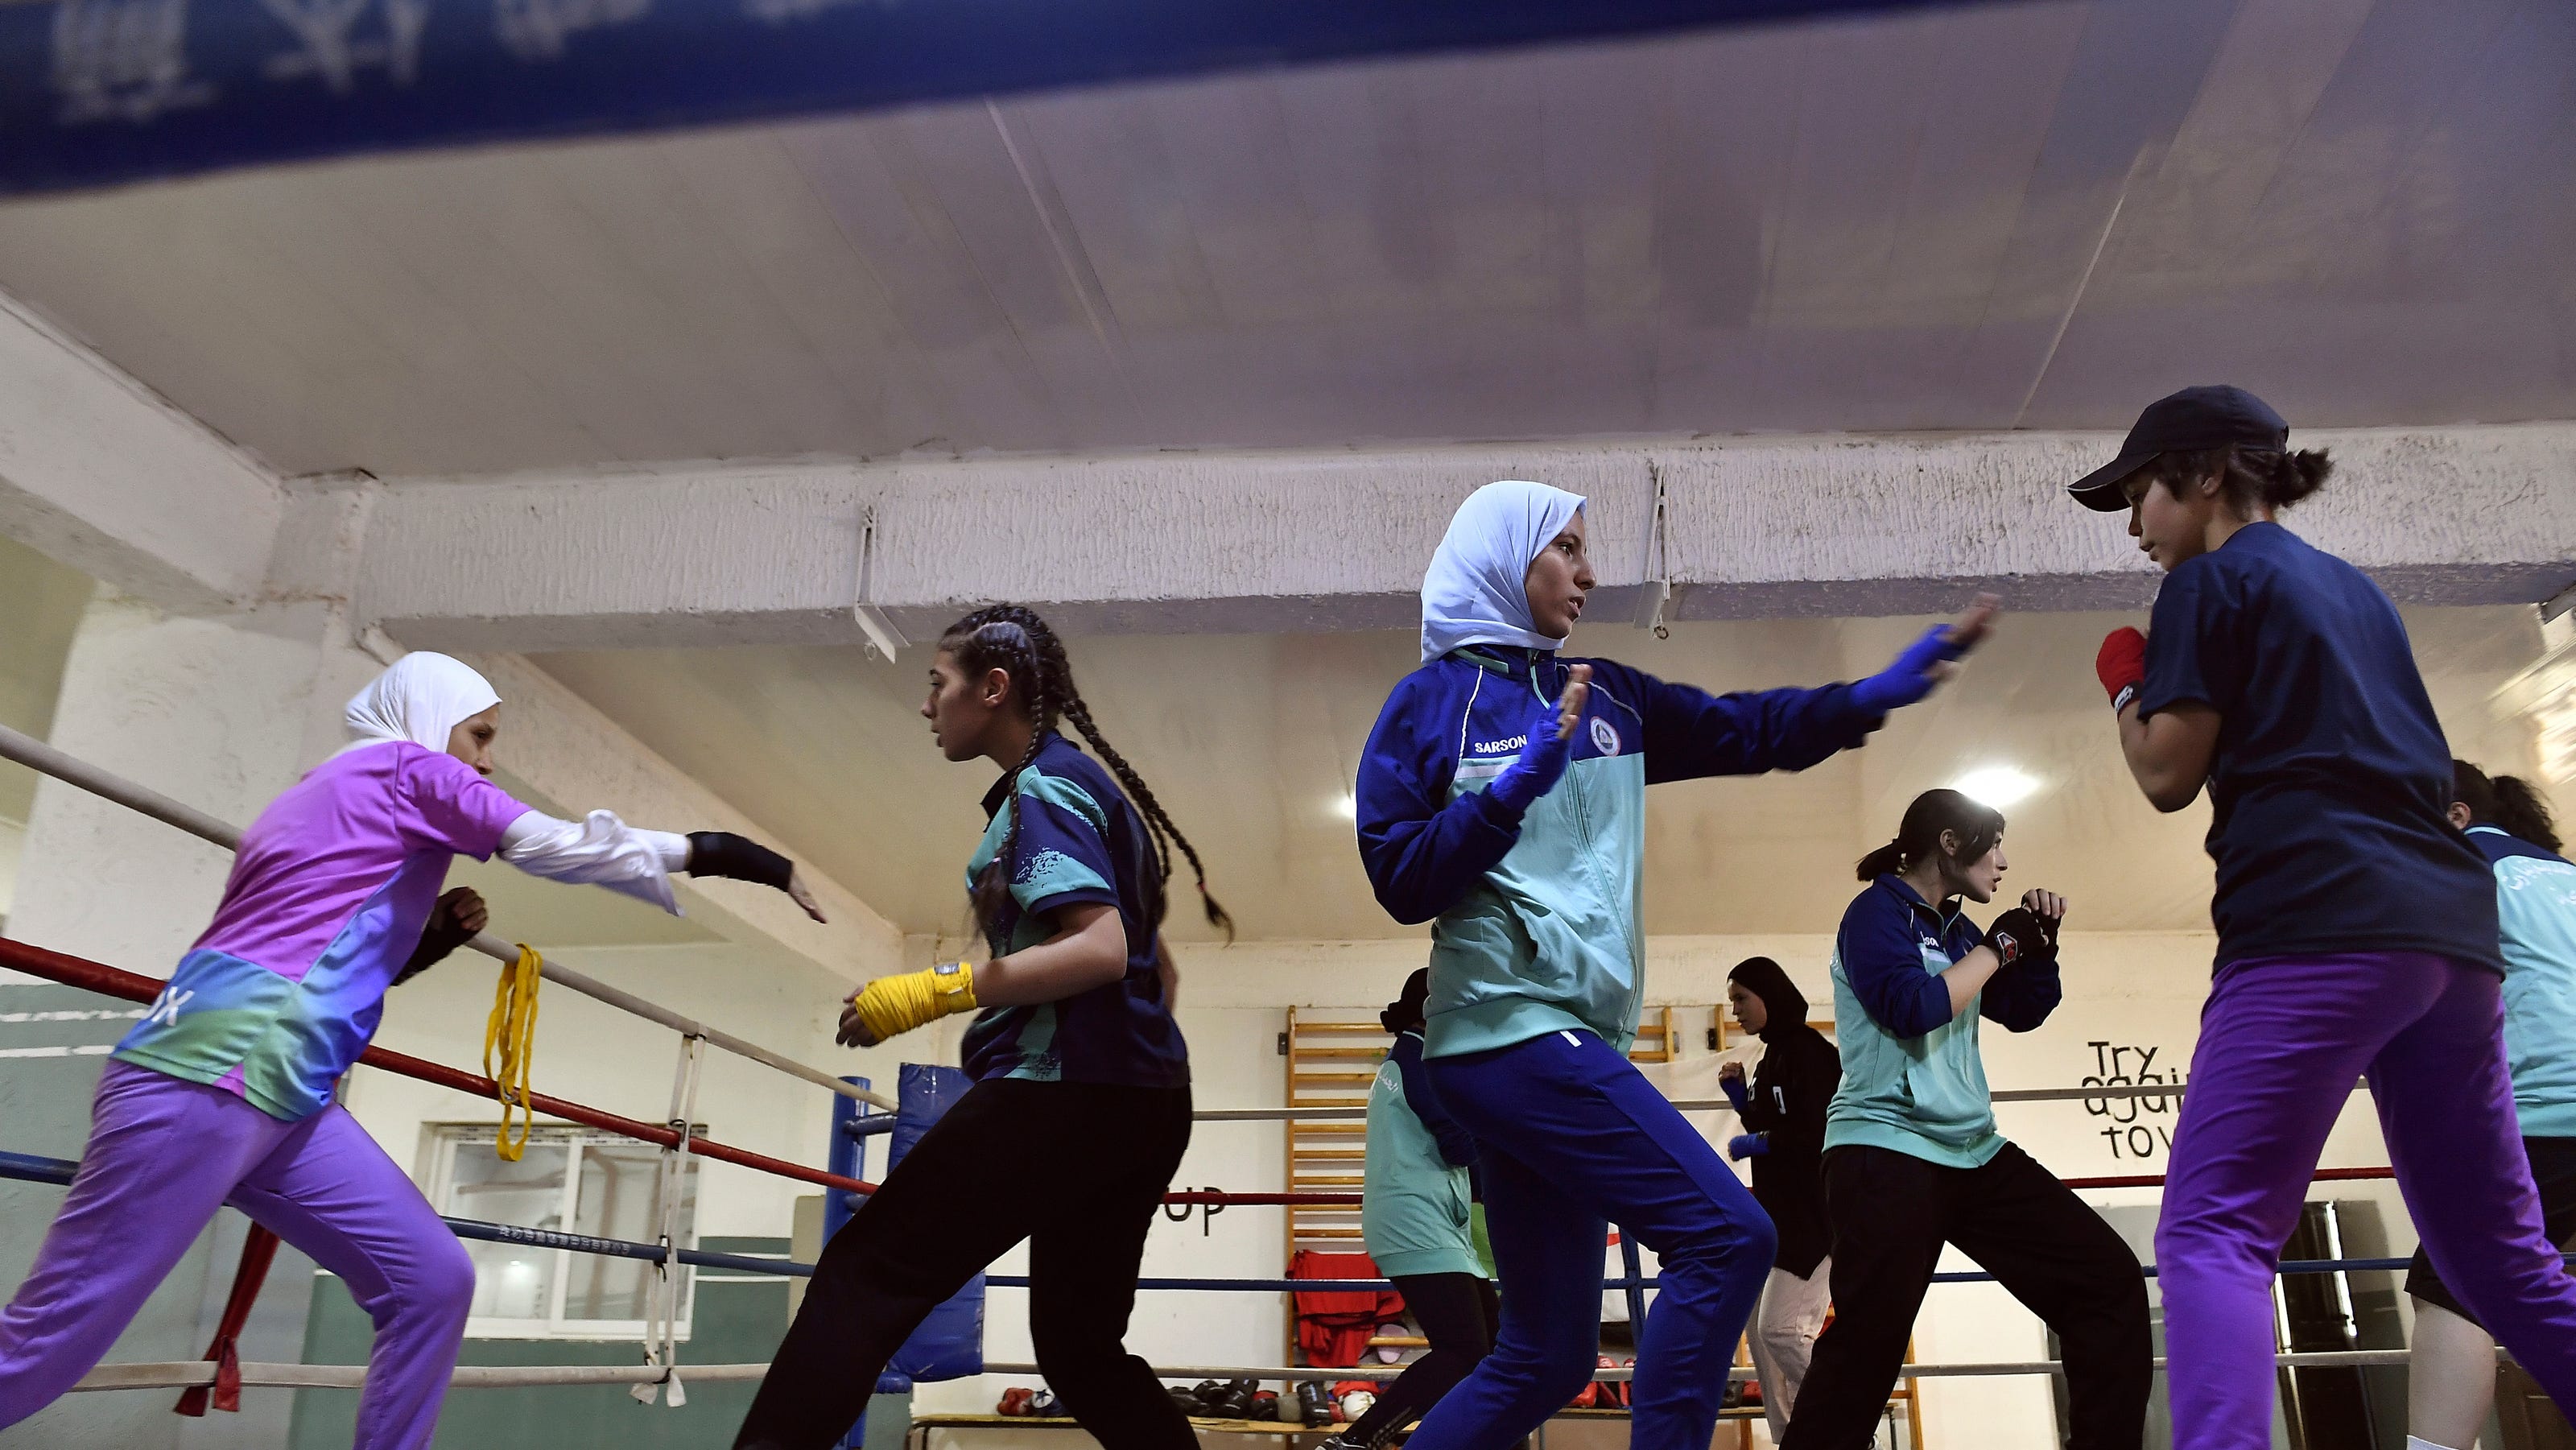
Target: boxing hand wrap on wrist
{"x": 1539, "y": 766}
{"x": 891, "y": 1006}
{"x": 1910, "y": 677}
{"x": 2122, "y": 666}
{"x": 722, "y": 853}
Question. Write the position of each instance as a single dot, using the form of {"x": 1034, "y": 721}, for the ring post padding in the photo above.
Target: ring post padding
{"x": 949, "y": 1344}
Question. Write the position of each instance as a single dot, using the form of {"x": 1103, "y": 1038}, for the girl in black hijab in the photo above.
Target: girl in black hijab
{"x": 1784, "y": 1134}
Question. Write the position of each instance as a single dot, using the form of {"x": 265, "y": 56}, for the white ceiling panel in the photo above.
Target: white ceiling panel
{"x": 1962, "y": 217}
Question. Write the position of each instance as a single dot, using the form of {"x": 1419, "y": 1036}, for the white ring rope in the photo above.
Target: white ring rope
{"x": 36, "y": 755}
{"x": 1697, "y": 1105}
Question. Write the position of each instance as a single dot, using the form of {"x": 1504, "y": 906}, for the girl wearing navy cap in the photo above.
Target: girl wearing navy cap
{"x": 2450, "y": 1377}
{"x": 1502, "y": 798}
{"x": 2357, "y": 929}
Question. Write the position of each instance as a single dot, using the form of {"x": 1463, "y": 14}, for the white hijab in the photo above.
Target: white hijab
{"x": 422, "y": 698}
{"x": 1477, "y": 588}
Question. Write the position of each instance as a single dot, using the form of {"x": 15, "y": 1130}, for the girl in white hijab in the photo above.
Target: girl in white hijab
{"x": 223, "y": 1092}
{"x": 1502, "y": 798}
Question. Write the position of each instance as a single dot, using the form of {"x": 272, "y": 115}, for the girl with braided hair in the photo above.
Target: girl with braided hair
{"x": 1075, "y": 1032}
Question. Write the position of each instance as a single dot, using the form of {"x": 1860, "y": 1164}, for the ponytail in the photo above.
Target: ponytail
{"x": 2294, "y": 476}
{"x": 2252, "y": 479}
{"x": 1887, "y": 860}
{"x": 2506, "y": 802}
{"x": 1977, "y": 825}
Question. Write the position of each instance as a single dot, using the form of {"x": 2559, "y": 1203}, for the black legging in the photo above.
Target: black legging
{"x": 965, "y": 1194}
{"x": 1457, "y": 1313}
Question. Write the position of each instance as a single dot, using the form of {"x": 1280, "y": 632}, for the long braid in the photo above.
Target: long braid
{"x": 984, "y": 640}
{"x": 1157, "y": 820}
{"x": 1053, "y": 693}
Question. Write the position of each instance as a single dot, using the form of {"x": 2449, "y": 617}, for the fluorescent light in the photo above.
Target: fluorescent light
{"x": 1996, "y": 785}
{"x": 1346, "y": 806}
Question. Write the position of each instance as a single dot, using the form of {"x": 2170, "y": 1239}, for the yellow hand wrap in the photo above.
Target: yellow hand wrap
{"x": 892, "y": 1006}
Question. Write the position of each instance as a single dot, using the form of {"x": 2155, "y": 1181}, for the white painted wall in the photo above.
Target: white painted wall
{"x": 2129, "y": 991}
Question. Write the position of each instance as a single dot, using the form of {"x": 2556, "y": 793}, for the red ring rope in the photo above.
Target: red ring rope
{"x": 109, "y": 981}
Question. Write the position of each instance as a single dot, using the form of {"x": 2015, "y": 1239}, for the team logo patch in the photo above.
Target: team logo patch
{"x": 1605, "y": 736}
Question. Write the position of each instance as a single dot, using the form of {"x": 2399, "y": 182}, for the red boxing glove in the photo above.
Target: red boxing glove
{"x": 2122, "y": 664}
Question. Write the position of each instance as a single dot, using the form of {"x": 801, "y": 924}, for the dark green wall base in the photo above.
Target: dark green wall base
{"x": 735, "y": 1323}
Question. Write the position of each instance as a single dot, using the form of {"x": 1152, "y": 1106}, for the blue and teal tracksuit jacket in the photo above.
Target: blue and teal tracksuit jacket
{"x": 1914, "y": 1081}
{"x": 1417, "y": 1212}
{"x": 1535, "y": 918}
{"x": 2536, "y": 905}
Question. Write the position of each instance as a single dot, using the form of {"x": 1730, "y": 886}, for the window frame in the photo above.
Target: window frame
{"x": 443, "y": 1141}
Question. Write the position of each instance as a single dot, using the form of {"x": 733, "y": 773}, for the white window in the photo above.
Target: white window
{"x": 569, "y": 1180}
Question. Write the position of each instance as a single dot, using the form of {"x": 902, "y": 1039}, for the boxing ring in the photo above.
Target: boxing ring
{"x": 222, "y": 1373}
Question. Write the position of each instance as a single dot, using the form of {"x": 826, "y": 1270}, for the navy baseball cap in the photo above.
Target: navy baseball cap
{"x": 2185, "y": 422}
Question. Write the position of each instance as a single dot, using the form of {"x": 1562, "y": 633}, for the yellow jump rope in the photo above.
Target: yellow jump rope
{"x": 512, "y": 1035}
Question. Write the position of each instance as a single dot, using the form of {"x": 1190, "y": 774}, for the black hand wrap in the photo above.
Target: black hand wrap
{"x": 2022, "y": 935}
{"x": 440, "y": 936}
{"x": 722, "y": 853}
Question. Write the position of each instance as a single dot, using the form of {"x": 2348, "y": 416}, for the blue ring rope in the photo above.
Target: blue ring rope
{"x": 31, "y": 1169}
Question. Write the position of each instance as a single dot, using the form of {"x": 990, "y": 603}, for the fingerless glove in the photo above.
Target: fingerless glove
{"x": 722, "y": 853}
{"x": 2022, "y": 935}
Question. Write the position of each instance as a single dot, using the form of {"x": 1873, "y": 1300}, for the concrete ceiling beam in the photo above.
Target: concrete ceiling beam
{"x": 101, "y": 473}
{"x": 1308, "y": 542}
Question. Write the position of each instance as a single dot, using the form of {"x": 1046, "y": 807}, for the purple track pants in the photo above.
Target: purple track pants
{"x": 2281, "y": 1040}
{"x": 163, "y": 1155}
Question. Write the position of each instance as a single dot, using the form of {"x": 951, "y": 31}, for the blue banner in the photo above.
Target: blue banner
{"x": 97, "y": 92}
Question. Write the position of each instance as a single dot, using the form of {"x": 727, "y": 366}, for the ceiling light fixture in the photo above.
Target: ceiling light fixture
{"x": 1346, "y": 806}
{"x": 1999, "y": 786}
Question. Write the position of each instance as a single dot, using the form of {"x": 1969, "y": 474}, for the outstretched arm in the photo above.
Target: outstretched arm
{"x": 1691, "y": 733}
{"x": 601, "y": 850}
